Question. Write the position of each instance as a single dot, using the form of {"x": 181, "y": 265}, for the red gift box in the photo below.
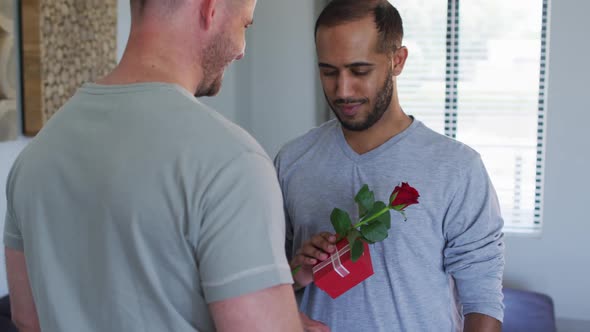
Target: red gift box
{"x": 338, "y": 273}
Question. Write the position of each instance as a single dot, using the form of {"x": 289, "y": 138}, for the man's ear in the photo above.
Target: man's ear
{"x": 207, "y": 13}
{"x": 399, "y": 60}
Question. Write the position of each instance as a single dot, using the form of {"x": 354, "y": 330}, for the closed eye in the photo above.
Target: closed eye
{"x": 330, "y": 73}
{"x": 361, "y": 72}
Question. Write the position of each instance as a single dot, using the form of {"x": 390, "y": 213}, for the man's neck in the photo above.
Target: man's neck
{"x": 148, "y": 60}
{"x": 393, "y": 122}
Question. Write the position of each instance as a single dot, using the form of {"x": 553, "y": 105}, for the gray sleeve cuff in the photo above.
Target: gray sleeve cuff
{"x": 247, "y": 282}
{"x": 12, "y": 237}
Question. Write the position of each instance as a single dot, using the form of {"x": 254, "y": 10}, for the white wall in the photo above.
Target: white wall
{"x": 273, "y": 91}
{"x": 123, "y": 26}
{"x": 558, "y": 263}
{"x": 280, "y": 85}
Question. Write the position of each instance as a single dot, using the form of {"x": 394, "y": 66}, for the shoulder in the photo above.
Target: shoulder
{"x": 201, "y": 133}
{"x": 295, "y": 150}
{"x": 233, "y": 136}
{"x": 443, "y": 150}
{"x": 168, "y": 112}
{"x": 21, "y": 158}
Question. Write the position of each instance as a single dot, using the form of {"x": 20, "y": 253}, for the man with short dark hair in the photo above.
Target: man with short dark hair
{"x": 442, "y": 269}
{"x": 137, "y": 208}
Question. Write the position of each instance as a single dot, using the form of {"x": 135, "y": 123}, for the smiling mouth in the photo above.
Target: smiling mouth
{"x": 349, "y": 110}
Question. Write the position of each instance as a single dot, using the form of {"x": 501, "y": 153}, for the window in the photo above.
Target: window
{"x": 477, "y": 72}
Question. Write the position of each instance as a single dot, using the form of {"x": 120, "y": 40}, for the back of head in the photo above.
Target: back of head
{"x": 387, "y": 19}
{"x": 139, "y": 7}
{"x": 187, "y": 42}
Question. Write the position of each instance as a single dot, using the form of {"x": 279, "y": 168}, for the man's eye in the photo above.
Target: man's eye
{"x": 361, "y": 73}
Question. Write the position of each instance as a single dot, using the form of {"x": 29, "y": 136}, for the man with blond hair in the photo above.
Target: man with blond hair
{"x": 137, "y": 208}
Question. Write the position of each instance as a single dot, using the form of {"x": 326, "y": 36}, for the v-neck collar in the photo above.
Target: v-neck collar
{"x": 359, "y": 158}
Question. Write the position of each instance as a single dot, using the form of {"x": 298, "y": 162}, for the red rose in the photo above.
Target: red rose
{"x": 403, "y": 196}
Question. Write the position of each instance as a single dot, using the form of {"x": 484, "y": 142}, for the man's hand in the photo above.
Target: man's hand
{"x": 317, "y": 249}
{"x": 310, "y": 325}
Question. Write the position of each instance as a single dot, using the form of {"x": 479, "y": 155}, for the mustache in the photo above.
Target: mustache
{"x": 347, "y": 101}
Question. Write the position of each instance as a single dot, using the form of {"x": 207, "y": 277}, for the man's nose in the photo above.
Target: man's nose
{"x": 344, "y": 87}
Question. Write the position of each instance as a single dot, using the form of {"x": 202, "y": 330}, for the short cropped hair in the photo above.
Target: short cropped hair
{"x": 387, "y": 19}
{"x": 139, "y": 6}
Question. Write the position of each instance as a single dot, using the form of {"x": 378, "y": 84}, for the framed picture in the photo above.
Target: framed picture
{"x": 64, "y": 44}
{"x": 8, "y": 71}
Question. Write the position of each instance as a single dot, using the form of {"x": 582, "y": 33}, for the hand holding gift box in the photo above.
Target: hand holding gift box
{"x": 351, "y": 263}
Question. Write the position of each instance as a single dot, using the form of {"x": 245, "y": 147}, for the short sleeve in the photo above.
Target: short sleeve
{"x": 241, "y": 237}
{"x": 12, "y": 234}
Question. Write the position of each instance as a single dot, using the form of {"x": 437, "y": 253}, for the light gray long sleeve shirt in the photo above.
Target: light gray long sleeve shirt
{"x": 446, "y": 261}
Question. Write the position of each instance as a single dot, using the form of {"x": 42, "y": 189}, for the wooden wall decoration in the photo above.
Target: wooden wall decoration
{"x": 65, "y": 43}
{"x": 8, "y": 71}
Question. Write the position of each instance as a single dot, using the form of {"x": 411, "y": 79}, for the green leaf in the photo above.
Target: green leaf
{"x": 378, "y": 206}
{"x": 352, "y": 236}
{"x": 385, "y": 218}
{"x": 365, "y": 200}
{"x": 374, "y": 232}
{"x": 341, "y": 222}
{"x": 356, "y": 251}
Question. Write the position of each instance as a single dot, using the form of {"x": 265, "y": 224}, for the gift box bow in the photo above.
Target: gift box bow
{"x": 335, "y": 261}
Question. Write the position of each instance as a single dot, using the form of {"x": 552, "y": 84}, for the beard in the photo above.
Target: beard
{"x": 382, "y": 102}
{"x": 216, "y": 57}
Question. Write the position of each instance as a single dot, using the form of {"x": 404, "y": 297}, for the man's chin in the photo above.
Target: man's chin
{"x": 355, "y": 127}
{"x": 214, "y": 91}
{"x": 359, "y": 125}
{"x": 210, "y": 91}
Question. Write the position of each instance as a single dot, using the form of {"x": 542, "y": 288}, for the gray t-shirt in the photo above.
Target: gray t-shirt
{"x": 136, "y": 206}
{"x": 446, "y": 260}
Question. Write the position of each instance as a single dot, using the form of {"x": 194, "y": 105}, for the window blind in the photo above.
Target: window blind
{"x": 477, "y": 72}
